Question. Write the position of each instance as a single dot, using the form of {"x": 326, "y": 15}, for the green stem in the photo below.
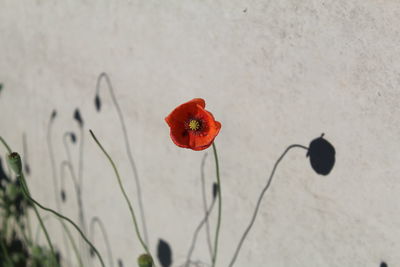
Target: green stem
{"x": 27, "y": 194}
{"x": 22, "y": 229}
{"x": 28, "y": 225}
{"x": 5, "y": 252}
{"x": 71, "y": 239}
{"x": 9, "y": 152}
{"x": 214, "y": 259}
{"x": 38, "y": 228}
{"x": 4, "y": 237}
{"x": 123, "y": 192}
{"x": 22, "y": 179}
{"x": 5, "y": 144}
{"x": 24, "y": 190}
{"x": 5, "y": 227}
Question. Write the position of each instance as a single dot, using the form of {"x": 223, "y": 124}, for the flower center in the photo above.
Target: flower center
{"x": 194, "y": 125}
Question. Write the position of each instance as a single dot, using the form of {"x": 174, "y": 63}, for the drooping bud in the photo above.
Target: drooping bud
{"x": 145, "y": 260}
{"x": 78, "y": 117}
{"x": 53, "y": 114}
{"x": 73, "y": 137}
{"x": 164, "y": 253}
{"x": 214, "y": 190}
{"x": 97, "y": 102}
{"x": 14, "y": 160}
{"x": 63, "y": 195}
{"x": 322, "y": 155}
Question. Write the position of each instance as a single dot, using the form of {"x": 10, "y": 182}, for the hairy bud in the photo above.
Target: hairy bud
{"x": 14, "y": 160}
{"x": 145, "y": 260}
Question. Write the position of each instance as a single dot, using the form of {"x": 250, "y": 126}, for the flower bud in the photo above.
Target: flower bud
{"x": 14, "y": 160}
{"x": 78, "y": 117}
{"x": 322, "y": 155}
{"x": 145, "y": 260}
{"x": 73, "y": 137}
{"x": 53, "y": 114}
{"x": 63, "y": 195}
{"x": 97, "y": 102}
{"x": 214, "y": 190}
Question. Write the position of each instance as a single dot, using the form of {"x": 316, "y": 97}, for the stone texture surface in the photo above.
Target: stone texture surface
{"x": 273, "y": 72}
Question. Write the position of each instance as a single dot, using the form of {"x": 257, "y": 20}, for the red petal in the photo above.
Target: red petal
{"x": 194, "y": 140}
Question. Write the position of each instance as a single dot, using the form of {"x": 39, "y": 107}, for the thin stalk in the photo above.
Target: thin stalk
{"x": 22, "y": 179}
{"x": 5, "y": 228}
{"x": 38, "y": 228}
{"x": 3, "y": 248}
{"x": 71, "y": 239}
{"x": 28, "y": 223}
{"x": 214, "y": 259}
{"x": 123, "y": 192}
{"x": 128, "y": 149}
{"x": 253, "y": 218}
{"x": 196, "y": 232}
{"x": 9, "y": 152}
{"x": 5, "y": 252}
{"x": 55, "y": 178}
{"x": 27, "y": 194}
{"x": 65, "y": 218}
{"x": 5, "y": 144}
{"x": 104, "y": 232}
{"x": 24, "y": 236}
{"x": 205, "y": 205}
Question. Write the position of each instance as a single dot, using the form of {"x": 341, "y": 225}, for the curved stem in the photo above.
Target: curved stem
{"x": 9, "y": 152}
{"x": 259, "y": 201}
{"x": 21, "y": 178}
{"x": 26, "y": 193}
{"x": 24, "y": 190}
{"x": 5, "y": 144}
{"x": 203, "y": 190}
{"x": 54, "y": 176}
{"x": 38, "y": 228}
{"x": 28, "y": 223}
{"x": 66, "y": 163}
{"x": 196, "y": 232}
{"x": 104, "y": 232}
{"x": 5, "y": 252}
{"x": 69, "y": 235}
{"x": 71, "y": 239}
{"x": 65, "y": 143}
{"x": 21, "y": 228}
{"x": 123, "y": 192}
{"x": 214, "y": 259}
{"x": 128, "y": 150}
{"x": 77, "y": 183}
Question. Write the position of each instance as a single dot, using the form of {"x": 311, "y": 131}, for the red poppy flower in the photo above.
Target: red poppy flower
{"x": 192, "y": 126}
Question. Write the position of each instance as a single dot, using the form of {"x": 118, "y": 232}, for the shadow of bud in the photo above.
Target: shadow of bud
{"x": 322, "y": 155}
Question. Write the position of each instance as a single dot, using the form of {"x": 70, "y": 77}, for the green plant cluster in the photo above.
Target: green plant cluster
{"x": 17, "y": 247}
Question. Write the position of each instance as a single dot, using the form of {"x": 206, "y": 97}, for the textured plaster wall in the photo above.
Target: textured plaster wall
{"x": 273, "y": 73}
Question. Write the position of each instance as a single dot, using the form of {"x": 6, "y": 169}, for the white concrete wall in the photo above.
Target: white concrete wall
{"x": 273, "y": 73}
